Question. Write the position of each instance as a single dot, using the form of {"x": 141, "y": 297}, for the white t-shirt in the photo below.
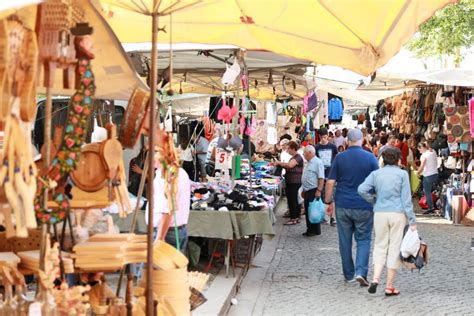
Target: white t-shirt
{"x": 431, "y": 163}
{"x": 339, "y": 141}
{"x": 183, "y": 199}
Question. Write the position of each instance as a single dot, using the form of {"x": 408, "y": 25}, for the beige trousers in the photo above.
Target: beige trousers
{"x": 388, "y": 227}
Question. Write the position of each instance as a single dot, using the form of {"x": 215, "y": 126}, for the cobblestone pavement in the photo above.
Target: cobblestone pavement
{"x": 305, "y": 277}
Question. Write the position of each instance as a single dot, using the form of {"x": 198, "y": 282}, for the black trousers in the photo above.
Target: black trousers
{"x": 292, "y": 198}
{"x": 188, "y": 166}
{"x": 310, "y": 228}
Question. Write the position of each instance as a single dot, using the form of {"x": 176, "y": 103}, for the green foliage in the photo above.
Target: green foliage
{"x": 449, "y": 30}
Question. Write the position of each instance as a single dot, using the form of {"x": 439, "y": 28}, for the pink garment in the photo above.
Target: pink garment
{"x": 471, "y": 116}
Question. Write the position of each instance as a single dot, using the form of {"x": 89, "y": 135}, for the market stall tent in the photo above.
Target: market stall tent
{"x": 357, "y": 35}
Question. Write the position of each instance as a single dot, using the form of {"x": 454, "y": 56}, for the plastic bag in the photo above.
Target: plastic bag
{"x": 424, "y": 204}
{"x": 410, "y": 244}
{"x": 316, "y": 211}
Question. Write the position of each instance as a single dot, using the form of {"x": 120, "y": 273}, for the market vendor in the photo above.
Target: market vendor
{"x": 249, "y": 148}
{"x": 294, "y": 171}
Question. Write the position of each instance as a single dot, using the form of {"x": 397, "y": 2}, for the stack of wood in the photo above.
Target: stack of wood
{"x": 109, "y": 252}
{"x": 170, "y": 282}
{"x": 30, "y": 260}
{"x": 197, "y": 280}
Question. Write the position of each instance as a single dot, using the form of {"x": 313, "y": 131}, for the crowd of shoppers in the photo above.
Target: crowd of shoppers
{"x": 363, "y": 178}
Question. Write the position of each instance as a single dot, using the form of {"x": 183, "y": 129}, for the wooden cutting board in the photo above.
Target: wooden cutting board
{"x": 111, "y": 153}
{"x": 90, "y": 174}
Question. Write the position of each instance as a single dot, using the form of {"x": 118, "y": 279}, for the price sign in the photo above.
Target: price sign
{"x": 223, "y": 160}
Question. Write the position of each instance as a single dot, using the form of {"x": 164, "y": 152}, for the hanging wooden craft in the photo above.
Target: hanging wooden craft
{"x": 57, "y": 48}
{"x": 18, "y": 69}
{"x": 135, "y": 118}
{"x": 170, "y": 165}
{"x": 17, "y": 176}
{"x": 68, "y": 154}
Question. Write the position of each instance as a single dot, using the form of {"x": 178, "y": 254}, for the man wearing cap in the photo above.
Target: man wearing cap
{"x": 326, "y": 152}
{"x": 354, "y": 215}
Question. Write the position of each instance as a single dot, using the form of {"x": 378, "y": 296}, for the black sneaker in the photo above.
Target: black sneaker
{"x": 428, "y": 212}
{"x": 362, "y": 280}
{"x": 332, "y": 222}
{"x": 306, "y": 234}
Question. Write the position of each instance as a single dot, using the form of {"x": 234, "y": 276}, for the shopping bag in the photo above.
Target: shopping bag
{"x": 316, "y": 211}
{"x": 424, "y": 204}
{"x": 410, "y": 244}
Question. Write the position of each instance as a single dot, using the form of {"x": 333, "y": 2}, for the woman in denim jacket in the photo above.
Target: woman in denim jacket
{"x": 389, "y": 190}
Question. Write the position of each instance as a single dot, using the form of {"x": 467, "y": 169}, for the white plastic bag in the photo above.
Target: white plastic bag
{"x": 410, "y": 244}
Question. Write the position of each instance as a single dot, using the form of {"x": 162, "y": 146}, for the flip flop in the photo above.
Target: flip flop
{"x": 373, "y": 287}
{"x": 391, "y": 291}
{"x": 292, "y": 222}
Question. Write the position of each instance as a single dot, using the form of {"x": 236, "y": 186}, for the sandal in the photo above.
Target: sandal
{"x": 373, "y": 286}
{"x": 391, "y": 291}
{"x": 292, "y": 222}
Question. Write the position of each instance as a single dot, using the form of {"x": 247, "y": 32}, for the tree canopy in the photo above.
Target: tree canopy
{"x": 449, "y": 30}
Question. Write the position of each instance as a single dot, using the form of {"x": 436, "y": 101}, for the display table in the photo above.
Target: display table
{"x": 229, "y": 225}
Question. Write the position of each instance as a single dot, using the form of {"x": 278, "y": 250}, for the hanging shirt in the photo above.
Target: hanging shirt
{"x": 335, "y": 109}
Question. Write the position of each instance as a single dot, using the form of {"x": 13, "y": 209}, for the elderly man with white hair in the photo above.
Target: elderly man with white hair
{"x": 312, "y": 183}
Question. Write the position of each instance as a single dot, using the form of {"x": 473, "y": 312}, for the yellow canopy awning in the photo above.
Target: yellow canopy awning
{"x": 357, "y": 35}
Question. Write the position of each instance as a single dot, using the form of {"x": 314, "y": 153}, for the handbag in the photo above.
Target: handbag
{"x": 316, "y": 211}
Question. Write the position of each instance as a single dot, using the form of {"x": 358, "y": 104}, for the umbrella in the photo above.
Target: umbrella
{"x": 357, "y": 35}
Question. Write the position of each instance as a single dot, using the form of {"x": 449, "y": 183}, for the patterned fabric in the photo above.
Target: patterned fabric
{"x": 294, "y": 175}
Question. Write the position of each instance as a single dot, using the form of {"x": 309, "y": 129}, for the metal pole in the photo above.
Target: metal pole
{"x": 151, "y": 167}
{"x": 135, "y": 213}
{"x": 48, "y": 110}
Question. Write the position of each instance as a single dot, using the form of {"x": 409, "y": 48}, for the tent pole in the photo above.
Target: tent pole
{"x": 151, "y": 167}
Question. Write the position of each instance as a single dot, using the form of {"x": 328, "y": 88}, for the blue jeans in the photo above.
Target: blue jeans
{"x": 357, "y": 223}
{"x": 428, "y": 183}
{"x": 170, "y": 238}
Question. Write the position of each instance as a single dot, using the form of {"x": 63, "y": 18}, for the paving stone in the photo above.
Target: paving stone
{"x": 305, "y": 277}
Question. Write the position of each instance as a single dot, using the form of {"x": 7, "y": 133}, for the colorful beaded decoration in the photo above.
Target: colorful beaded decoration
{"x": 66, "y": 159}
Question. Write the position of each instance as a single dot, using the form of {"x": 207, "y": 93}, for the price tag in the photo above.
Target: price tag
{"x": 223, "y": 160}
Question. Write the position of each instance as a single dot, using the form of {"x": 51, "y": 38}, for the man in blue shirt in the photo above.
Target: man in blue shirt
{"x": 354, "y": 215}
